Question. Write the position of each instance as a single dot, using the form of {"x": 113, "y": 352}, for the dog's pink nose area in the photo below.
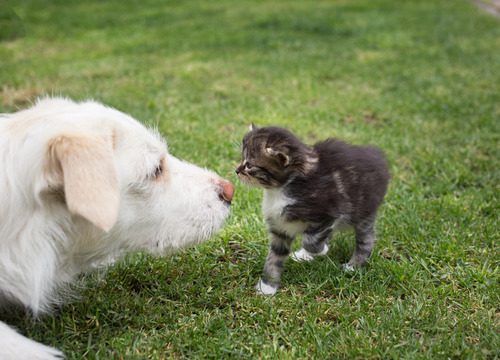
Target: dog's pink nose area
{"x": 227, "y": 190}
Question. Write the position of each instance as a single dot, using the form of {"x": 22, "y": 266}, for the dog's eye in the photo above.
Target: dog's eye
{"x": 158, "y": 171}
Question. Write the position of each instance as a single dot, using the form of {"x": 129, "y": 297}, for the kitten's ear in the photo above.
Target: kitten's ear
{"x": 280, "y": 155}
{"x": 252, "y": 127}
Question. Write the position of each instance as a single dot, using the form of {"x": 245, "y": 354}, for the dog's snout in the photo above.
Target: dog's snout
{"x": 226, "y": 190}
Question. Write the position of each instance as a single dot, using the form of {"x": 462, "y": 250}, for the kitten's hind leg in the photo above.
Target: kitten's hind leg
{"x": 314, "y": 243}
{"x": 273, "y": 268}
{"x": 365, "y": 240}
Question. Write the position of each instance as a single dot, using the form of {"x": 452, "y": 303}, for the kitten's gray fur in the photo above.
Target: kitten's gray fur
{"x": 312, "y": 190}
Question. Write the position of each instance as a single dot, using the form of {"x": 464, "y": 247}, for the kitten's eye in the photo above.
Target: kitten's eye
{"x": 247, "y": 166}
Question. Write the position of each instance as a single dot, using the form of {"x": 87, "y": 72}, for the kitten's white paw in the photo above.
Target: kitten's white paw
{"x": 348, "y": 267}
{"x": 304, "y": 255}
{"x": 265, "y": 289}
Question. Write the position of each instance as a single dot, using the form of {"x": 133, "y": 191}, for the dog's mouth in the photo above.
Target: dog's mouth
{"x": 225, "y": 201}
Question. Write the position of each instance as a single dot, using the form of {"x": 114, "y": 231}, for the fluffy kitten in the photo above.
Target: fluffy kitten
{"x": 312, "y": 190}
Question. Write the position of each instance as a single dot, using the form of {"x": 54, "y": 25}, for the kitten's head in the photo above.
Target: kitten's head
{"x": 271, "y": 155}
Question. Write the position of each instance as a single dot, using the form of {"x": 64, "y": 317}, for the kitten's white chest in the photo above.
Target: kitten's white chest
{"x": 272, "y": 206}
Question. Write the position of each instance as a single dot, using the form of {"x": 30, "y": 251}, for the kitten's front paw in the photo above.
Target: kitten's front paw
{"x": 265, "y": 289}
{"x": 348, "y": 267}
{"x": 304, "y": 255}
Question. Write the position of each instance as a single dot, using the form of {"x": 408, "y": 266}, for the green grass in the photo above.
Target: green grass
{"x": 418, "y": 78}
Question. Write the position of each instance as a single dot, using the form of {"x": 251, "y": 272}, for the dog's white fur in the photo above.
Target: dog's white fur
{"x": 80, "y": 185}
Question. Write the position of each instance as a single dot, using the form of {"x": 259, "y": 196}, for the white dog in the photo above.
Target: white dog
{"x": 80, "y": 184}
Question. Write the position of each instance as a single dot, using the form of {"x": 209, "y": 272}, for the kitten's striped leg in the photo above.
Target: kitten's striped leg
{"x": 314, "y": 243}
{"x": 365, "y": 240}
{"x": 273, "y": 268}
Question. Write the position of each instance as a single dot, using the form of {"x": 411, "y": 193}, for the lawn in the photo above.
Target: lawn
{"x": 420, "y": 79}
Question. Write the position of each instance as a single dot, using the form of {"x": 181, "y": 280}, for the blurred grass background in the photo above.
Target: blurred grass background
{"x": 418, "y": 78}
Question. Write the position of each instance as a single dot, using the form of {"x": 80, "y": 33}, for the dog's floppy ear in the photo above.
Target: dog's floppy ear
{"x": 84, "y": 166}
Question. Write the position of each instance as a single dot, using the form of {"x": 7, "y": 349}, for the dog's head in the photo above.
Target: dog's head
{"x": 103, "y": 175}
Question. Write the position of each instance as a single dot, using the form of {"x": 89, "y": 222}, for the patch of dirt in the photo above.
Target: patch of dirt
{"x": 235, "y": 254}
{"x": 370, "y": 117}
{"x": 16, "y": 98}
{"x": 490, "y": 6}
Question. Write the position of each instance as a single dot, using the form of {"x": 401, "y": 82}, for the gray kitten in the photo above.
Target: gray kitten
{"x": 312, "y": 190}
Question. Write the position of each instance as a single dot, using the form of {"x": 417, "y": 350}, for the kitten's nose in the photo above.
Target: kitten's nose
{"x": 239, "y": 169}
{"x": 226, "y": 190}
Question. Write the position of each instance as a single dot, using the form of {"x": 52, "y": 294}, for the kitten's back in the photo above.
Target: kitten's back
{"x": 339, "y": 154}
{"x": 362, "y": 169}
